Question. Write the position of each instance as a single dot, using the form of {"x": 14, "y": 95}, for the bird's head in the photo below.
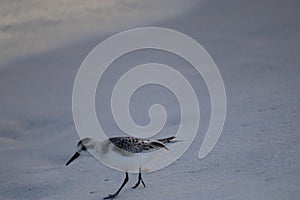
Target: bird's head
{"x": 82, "y": 147}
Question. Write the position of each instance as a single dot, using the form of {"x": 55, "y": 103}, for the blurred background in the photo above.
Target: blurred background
{"x": 254, "y": 43}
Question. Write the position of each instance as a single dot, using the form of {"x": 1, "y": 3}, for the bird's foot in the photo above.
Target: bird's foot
{"x": 138, "y": 183}
{"x": 111, "y": 196}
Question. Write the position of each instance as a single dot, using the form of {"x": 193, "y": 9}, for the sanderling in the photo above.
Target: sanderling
{"x": 123, "y": 153}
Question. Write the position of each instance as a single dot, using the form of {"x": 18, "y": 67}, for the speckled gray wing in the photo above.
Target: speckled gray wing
{"x": 136, "y": 145}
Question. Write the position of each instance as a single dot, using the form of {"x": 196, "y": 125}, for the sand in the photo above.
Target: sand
{"x": 255, "y": 44}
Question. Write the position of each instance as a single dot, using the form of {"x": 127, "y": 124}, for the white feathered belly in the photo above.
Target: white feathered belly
{"x": 130, "y": 162}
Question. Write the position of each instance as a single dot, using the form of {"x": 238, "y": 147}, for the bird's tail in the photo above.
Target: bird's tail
{"x": 168, "y": 140}
{"x": 161, "y": 143}
{"x": 158, "y": 144}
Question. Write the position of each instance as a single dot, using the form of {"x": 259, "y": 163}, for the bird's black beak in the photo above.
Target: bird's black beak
{"x": 76, "y": 155}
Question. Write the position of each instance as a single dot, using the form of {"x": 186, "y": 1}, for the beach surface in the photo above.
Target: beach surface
{"x": 255, "y": 45}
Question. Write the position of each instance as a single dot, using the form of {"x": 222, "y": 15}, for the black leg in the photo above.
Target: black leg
{"x": 139, "y": 180}
{"x": 111, "y": 196}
